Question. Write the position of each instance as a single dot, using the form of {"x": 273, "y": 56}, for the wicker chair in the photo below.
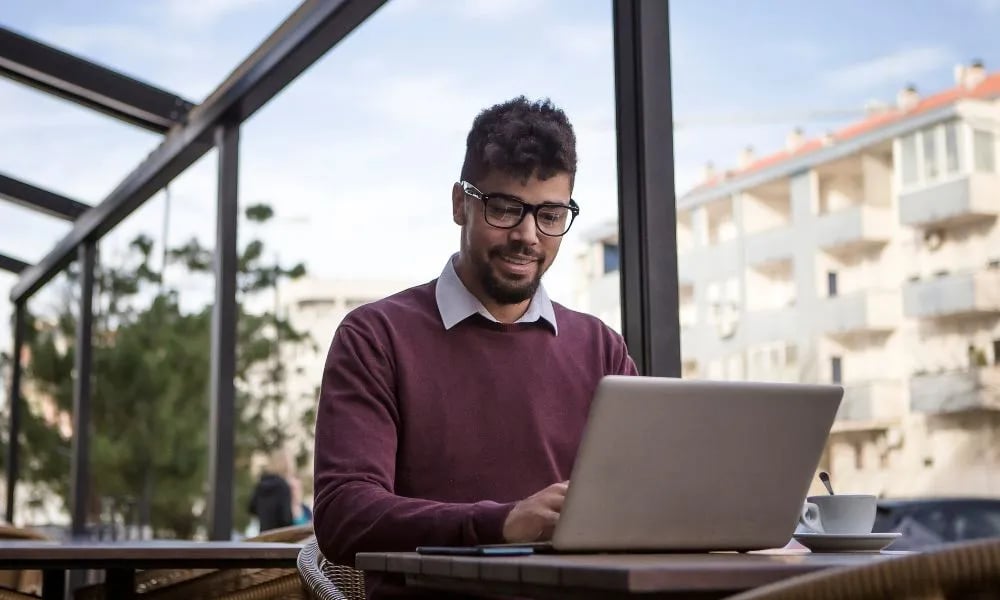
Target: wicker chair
{"x": 6, "y": 594}
{"x": 327, "y": 581}
{"x": 232, "y": 584}
{"x": 966, "y": 571}
{"x": 19, "y": 585}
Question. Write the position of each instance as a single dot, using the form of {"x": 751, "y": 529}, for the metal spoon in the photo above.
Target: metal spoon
{"x": 825, "y": 478}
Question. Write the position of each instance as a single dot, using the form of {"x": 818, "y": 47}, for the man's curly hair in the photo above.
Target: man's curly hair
{"x": 520, "y": 138}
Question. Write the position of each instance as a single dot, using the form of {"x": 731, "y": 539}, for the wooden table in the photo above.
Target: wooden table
{"x": 119, "y": 560}
{"x": 711, "y": 575}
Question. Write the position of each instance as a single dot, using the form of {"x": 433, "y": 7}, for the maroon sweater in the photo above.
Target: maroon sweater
{"x": 427, "y": 436}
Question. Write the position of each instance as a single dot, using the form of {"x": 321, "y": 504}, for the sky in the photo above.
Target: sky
{"x": 358, "y": 155}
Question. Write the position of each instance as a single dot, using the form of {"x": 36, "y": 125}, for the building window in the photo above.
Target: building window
{"x": 930, "y": 154}
{"x": 996, "y": 352}
{"x": 983, "y": 151}
{"x": 908, "y": 159}
{"x": 831, "y": 284}
{"x": 836, "y": 370}
{"x": 610, "y": 257}
{"x": 952, "y": 162}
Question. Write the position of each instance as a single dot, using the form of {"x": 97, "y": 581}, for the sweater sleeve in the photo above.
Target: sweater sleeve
{"x": 357, "y": 424}
{"x": 623, "y": 363}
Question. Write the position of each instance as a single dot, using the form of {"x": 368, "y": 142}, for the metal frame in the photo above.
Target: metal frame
{"x": 307, "y": 34}
{"x": 13, "y": 450}
{"x": 646, "y": 198}
{"x": 223, "y": 410}
{"x": 83, "y": 363}
{"x": 647, "y": 217}
{"x": 41, "y": 200}
{"x": 83, "y": 82}
{"x": 11, "y": 264}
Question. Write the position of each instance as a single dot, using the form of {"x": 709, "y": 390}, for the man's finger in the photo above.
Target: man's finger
{"x": 554, "y": 501}
{"x": 549, "y": 520}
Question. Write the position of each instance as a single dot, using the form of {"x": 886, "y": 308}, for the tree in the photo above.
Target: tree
{"x": 149, "y": 433}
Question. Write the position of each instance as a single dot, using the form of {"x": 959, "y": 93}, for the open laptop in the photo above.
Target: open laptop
{"x": 677, "y": 464}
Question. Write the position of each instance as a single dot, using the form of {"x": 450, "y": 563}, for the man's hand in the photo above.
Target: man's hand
{"x": 534, "y": 518}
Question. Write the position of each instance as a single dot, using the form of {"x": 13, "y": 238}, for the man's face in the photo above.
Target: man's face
{"x": 507, "y": 264}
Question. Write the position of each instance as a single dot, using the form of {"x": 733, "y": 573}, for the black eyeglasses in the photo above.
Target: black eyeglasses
{"x": 507, "y": 212}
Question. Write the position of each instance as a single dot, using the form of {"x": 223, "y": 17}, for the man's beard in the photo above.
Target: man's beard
{"x": 507, "y": 292}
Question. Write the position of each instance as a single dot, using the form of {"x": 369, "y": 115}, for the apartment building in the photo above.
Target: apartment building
{"x": 317, "y": 306}
{"x": 869, "y": 257}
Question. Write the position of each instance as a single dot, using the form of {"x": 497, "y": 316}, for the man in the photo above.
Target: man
{"x": 451, "y": 413}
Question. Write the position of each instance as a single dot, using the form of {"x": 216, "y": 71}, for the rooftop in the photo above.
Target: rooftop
{"x": 909, "y": 106}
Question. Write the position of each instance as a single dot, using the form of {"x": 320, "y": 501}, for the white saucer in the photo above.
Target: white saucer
{"x": 846, "y": 542}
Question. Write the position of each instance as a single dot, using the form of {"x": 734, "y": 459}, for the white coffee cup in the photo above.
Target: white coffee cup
{"x": 840, "y": 513}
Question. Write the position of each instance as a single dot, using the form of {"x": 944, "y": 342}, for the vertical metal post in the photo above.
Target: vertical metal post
{"x": 14, "y": 433}
{"x": 221, "y": 436}
{"x": 647, "y": 212}
{"x": 80, "y": 466}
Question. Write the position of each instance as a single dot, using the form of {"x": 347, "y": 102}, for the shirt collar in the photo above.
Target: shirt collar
{"x": 456, "y": 303}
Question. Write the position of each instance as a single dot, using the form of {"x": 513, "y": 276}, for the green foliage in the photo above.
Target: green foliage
{"x": 259, "y": 213}
{"x": 150, "y": 394}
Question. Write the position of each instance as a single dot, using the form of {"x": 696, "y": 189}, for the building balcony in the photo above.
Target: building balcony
{"x": 863, "y": 311}
{"x": 769, "y": 247}
{"x": 761, "y": 326}
{"x": 956, "y": 391}
{"x": 855, "y": 228}
{"x": 872, "y": 404}
{"x": 967, "y": 199}
{"x": 956, "y": 294}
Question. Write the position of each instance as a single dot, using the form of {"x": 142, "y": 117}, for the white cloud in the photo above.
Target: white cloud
{"x": 119, "y": 40}
{"x": 898, "y": 68}
{"x": 205, "y": 13}
{"x": 424, "y": 98}
{"x": 499, "y": 10}
{"x": 402, "y": 8}
{"x": 988, "y": 7}
{"x": 354, "y": 147}
{"x": 584, "y": 40}
{"x": 805, "y": 51}
{"x": 21, "y": 114}
{"x": 475, "y": 10}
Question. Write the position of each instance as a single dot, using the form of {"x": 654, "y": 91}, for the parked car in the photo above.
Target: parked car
{"x": 928, "y": 522}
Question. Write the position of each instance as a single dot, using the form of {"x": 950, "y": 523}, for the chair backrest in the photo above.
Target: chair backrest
{"x": 24, "y": 580}
{"x": 187, "y": 583}
{"x": 10, "y": 532}
{"x": 968, "y": 570}
{"x": 327, "y": 581}
{"x": 292, "y": 533}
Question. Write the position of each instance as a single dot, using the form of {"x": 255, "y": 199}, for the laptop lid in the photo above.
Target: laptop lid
{"x": 677, "y": 464}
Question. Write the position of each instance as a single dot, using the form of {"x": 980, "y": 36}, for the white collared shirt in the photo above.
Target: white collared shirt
{"x": 456, "y": 303}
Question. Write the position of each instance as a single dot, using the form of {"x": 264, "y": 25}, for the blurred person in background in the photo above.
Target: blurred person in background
{"x": 272, "y": 498}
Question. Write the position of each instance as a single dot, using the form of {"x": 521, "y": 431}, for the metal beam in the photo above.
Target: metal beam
{"x": 647, "y": 217}
{"x": 14, "y": 433}
{"x": 41, "y": 200}
{"x": 62, "y": 74}
{"x": 303, "y": 38}
{"x": 80, "y": 465}
{"x": 11, "y": 264}
{"x": 223, "y": 408}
